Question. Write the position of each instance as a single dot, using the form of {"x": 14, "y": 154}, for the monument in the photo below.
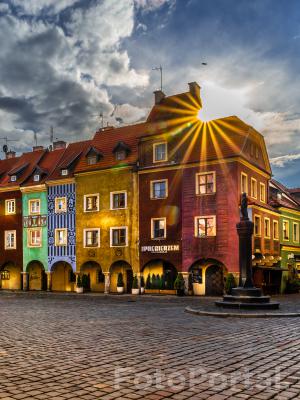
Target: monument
{"x": 246, "y": 295}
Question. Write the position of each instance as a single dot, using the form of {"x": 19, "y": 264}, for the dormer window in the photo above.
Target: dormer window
{"x": 91, "y": 160}
{"x": 121, "y": 151}
{"x": 93, "y": 156}
{"x": 64, "y": 172}
{"x": 13, "y": 178}
{"x": 120, "y": 155}
{"x": 36, "y": 178}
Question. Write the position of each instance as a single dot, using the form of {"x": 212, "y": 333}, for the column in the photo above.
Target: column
{"x": 107, "y": 282}
{"x": 25, "y": 280}
{"x": 49, "y": 281}
{"x": 186, "y": 281}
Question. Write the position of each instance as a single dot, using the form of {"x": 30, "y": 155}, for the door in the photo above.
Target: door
{"x": 214, "y": 284}
{"x": 129, "y": 280}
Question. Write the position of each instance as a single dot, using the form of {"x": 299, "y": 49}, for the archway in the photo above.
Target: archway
{"x": 164, "y": 269}
{"x": 63, "y": 278}
{"x": 37, "y": 278}
{"x": 214, "y": 280}
{"x": 126, "y": 270}
{"x": 96, "y": 279}
{"x": 207, "y": 277}
{"x": 10, "y": 277}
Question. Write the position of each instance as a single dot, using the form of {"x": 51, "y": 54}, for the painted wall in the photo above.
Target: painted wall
{"x": 62, "y": 220}
{"x": 289, "y": 248}
{"x": 39, "y": 253}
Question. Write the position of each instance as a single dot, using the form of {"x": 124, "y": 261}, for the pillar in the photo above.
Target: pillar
{"x": 186, "y": 281}
{"x": 245, "y": 232}
{"x": 106, "y": 282}
{"x": 49, "y": 281}
{"x": 25, "y": 280}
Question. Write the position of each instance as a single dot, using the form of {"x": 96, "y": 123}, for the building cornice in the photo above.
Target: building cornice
{"x": 56, "y": 182}
{"x": 9, "y": 189}
{"x": 100, "y": 171}
{"x": 290, "y": 248}
{"x": 34, "y": 189}
{"x": 265, "y": 210}
{"x": 289, "y": 210}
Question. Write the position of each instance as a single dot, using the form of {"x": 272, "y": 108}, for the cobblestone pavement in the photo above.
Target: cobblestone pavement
{"x": 96, "y": 347}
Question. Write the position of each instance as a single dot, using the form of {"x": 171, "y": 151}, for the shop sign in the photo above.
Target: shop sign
{"x": 34, "y": 221}
{"x": 160, "y": 249}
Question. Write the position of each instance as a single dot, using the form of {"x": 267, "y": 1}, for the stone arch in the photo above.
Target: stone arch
{"x": 96, "y": 276}
{"x": 63, "y": 277}
{"x": 207, "y": 277}
{"x": 10, "y": 276}
{"x": 125, "y": 268}
{"x": 162, "y": 268}
{"x": 37, "y": 278}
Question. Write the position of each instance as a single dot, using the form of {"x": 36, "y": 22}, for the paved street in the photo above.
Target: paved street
{"x": 68, "y": 347}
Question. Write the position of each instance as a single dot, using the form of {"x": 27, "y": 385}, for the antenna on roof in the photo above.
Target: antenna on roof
{"x": 118, "y": 119}
{"x": 51, "y": 134}
{"x": 35, "y": 138}
{"x": 101, "y": 116}
{"x": 5, "y": 147}
{"x": 161, "y": 75}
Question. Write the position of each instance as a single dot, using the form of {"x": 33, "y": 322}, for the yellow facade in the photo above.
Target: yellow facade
{"x": 14, "y": 281}
{"x": 61, "y": 277}
{"x": 110, "y": 260}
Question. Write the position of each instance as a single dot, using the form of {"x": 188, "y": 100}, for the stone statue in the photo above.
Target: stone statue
{"x": 244, "y": 207}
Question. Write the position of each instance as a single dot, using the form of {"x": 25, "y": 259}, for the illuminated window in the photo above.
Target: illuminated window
{"x": 286, "y": 230}
{"x": 5, "y": 275}
{"x": 91, "y": 237}
{"x": 10, "y": 207}
{"x": 60, "y": 204}
{"x": 206, "y": 183}
{"x": 118, "y": 200}
{"x": 158, "y": 228}
{"x": 262, "y": 191}
{"x": 159, "y": 189}
{"x": 34, "y": 206}
{"x": 36, "y": 178}
{"x": 295, "y": 232}
{"x": 267, "y": 228}
{"x": 205, "y": 226}
{"x": 253, "y": 190}
{"x": 244, "y": 183}
{"x": 61, "y": 237}
{"x": 13, "y": 178}
{"x": 160, "y": 152}
{"x": 257, "y": 225}
{"x": 118, "y": 236}
{"x": 64, "y": 172}
{"x": 10, "y": 241}
{"x": 275, "y": 230}
{"x": 91, "y": 202}
{"x": 34, "y": 237}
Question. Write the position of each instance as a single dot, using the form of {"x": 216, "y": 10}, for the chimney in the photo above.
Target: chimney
{"x": 194, "y": 89}
{"x": 37, "y": 148}
{"x": 59, "y": 144}
{"x": 10, "y": 154}
{"x": 158, "y": 96}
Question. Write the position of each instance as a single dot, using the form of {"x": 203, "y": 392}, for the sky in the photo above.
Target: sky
{"x": 64, "y": 62}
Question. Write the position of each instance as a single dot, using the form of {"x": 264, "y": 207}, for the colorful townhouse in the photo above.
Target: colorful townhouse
{"x": 61, "y": 199}
{"x": 289, "y": 229}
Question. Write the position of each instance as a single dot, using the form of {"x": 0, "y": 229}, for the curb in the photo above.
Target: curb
{"x": 190, "y": 310}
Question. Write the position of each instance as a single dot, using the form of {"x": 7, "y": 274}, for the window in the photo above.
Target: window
{"x": 158, "y": 228}
{"x": 10, "y": 207}
{"x": 160, "y": 152}
{"x": 13, "y": 178}
{"x": 159, "y": 189}
{"x": 60, "y": 204}
{"x": 120, "y": 155}
{"x": 205, "y": 226}
{"x": 295, "y": 232}
{"x": 118, "y": 236}
{"x": 34, "y": 237}
{"x": 275, "y": 230}
{"x": 118, "y": 200}
{"x": 257, "y": 225}
{"x": 64, "y": 172}
{"x": 10, "y": 241}
{"x": 91, "y": 202}
{"x": 267, "y": 228}
{"x": 253, "y": 188}
{"x": 34, "y": 206}
{"x": 286, "y": 230}
{"x": 91, "y": 237}
{"x": 36, "y": 178}
{"x": 61, "y": 237}
{"x": 91, "y": 160}
{"x": 244, "y": 183}
{"x": 262, "y": 192}
{"x": 5, "y": 275}
{"x": 206, "y": 183}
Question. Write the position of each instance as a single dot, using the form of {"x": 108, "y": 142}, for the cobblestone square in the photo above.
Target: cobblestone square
{"x": 58, "y": 346}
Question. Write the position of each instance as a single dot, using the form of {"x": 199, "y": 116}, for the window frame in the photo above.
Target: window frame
{"x": 14, "y": 247}
{"x": 196, "y": 226}
{"x": 111, "y": 229}
{"x": 65, "y": 230}
{"x": 152, "y": 228}
{"x": 64, "y": 172}
{"x": 198, "y": 174}
{"x": 260, "y": 230}
{"x": 85, "y": 241}
{"x": 152, "y": 197}
{"x": 112, "y": 200}
{"x": 85, "y": 197}
{"x": 254, "y": 196}
{"x": 13, "y": 178}
{"x": 29, "y": 243}
{"x": 288, "y": 230}
{"x": 56, "y": 200}
{"x": 243, "y": 174}
{"x": 267, "y": 219}
{"x": 36, "y": 177}
{"x": 154, "y": 152}
{"x": 30, "y": 201}
{"x": 7, "y": 202}
{"x": 263, "y": 200}
{"x": 296, "y": 238}
{"x": 275, "y": 222}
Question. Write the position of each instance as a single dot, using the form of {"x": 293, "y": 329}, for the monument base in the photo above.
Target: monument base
{"x": 247, "y": 298}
